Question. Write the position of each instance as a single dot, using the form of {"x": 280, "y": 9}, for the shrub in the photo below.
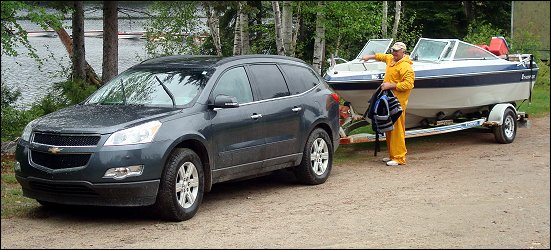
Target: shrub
{"x": 543, "y": 74}
{"x": 14, "y": 121}
{"x": 480, "y": 32}
{"x": 9, "y": 96}
{"x": 61, "y": 95}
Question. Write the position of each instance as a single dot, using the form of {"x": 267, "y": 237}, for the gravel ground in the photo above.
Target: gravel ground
{"x": 460, "y": 190}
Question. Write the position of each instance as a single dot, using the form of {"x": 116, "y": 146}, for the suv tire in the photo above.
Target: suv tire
{"x": 316, "y": 160}
{"x": 182, "y": 186}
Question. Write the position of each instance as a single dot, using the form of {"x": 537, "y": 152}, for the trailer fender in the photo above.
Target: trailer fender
{"x": 496, "y": 114}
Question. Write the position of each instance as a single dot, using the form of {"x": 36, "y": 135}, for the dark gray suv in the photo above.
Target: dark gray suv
{"x": 164, "y": 131}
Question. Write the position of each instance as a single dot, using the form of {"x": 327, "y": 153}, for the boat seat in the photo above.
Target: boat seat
{"x": 498, "y": 46}
{"x": 484, "y": 46}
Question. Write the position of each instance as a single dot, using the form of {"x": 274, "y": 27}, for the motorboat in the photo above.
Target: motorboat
{"x": 41, "y": 33}
{"x": 93, "y": 33}
{"x": 131, "y": 35}
{"x": 453, "y": 78}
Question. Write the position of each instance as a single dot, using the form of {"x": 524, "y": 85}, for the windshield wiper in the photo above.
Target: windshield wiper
{"x": 167, "y": 91}
{"x": 123, "y": 94}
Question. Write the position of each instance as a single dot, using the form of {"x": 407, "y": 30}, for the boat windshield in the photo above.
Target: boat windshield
{"x": 375, "y": 46}
{"x": 467, "y": 51}
{"x": 151, "y": 87}
{"x": 435, "y": 50}
{"x": 429, "y": 50}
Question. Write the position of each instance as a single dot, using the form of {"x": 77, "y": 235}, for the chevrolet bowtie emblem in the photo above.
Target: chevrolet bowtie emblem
{"x": 54, "y": 150}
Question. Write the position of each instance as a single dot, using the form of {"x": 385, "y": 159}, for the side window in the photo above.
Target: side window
{"x": 234, "y": 82}
{"x": 269, "y": 80}
{"x": 300, "y": 79}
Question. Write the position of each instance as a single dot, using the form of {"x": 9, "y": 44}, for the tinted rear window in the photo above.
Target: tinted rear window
{"x": 299, "y": 79}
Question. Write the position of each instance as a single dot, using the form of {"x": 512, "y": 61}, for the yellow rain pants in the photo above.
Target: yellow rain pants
{"x": 401, "y": 73}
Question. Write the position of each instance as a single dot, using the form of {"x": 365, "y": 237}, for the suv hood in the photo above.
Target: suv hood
{"x": 102, "y": 119}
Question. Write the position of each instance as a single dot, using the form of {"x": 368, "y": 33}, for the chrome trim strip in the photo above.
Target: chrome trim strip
{"x": 47, "y": 145}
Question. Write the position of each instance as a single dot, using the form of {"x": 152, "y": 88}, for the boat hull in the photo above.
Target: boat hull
{"x": 444, "y": 97}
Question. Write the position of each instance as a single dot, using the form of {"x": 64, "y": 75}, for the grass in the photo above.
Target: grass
{"x": 14, "y": 204}
{"x": 540, "y": 102}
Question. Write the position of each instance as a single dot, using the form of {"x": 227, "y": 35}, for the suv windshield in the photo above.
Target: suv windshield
{"x": 145, "y": 87}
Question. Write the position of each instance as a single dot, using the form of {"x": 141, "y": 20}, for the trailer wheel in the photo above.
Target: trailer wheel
{"x": 506, "y": 132}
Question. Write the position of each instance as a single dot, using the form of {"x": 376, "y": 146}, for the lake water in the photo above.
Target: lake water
{"x": 23, "y": 72}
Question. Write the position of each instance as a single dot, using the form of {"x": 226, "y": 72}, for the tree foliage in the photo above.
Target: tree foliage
{"x": 14, "y": 35}
{"x": 481, "y": 32}
{"x": 350, "y": 24}
{"x": 448, "y": 19}
{"x": 409, "y": 32}
{"x": 173, "y": 28}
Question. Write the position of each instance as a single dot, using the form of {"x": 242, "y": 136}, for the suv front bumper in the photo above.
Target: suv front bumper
{"x": 140, "y": 193}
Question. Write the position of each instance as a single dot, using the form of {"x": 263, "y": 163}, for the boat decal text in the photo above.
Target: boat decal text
{"x": 526, "y": 77}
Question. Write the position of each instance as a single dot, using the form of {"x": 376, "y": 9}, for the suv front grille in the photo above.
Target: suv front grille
{"x": 66, "y": 140}
{"x": 63, "y": 189}
{"x": 59, "y": 161}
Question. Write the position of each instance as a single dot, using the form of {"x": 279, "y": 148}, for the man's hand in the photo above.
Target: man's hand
{"x": 367, "y": 57}
{"x": 387, "y": 85}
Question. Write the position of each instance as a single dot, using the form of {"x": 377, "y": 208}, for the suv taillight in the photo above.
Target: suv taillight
{"x": 335, "y": 97}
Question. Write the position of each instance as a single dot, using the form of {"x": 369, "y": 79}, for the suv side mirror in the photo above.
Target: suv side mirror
{"x": 224, "y": 101}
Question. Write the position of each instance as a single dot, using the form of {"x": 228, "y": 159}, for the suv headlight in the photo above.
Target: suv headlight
{"x": 140, "y": 134}
{"x": 26, "y": 135}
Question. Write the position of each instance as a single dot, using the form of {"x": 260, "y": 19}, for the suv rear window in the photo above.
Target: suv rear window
{"x": 300, "y": 79}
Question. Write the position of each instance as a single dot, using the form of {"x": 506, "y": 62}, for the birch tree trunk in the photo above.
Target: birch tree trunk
{"x": 237, "y": 33}
{"x": 214, "y": 26}
{"x": 78, "y": 58}
{"x": 277, "y": 19}
{"x": 319, "y": 42}
{"x": 110, "y": 41}
{"x": 295, "y": 32}
{"x": 385, "y": 19}
{"x": 397, "y": 10}
{"x": 337, "y": 47}
{"x": 287, "y": 25}
{"x": 259, "y": 15}
{"x": 244, "y": 30}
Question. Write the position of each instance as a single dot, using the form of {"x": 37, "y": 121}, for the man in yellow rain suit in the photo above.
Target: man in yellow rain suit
{"x": 399, "y": 77}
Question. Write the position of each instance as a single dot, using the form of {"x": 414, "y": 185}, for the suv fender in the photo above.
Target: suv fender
{"x": 197, "y": 143}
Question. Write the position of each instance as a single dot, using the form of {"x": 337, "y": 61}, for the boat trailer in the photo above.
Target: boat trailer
{"x": 503, "y": 119}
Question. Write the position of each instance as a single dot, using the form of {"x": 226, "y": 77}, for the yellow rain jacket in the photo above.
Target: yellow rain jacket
{"x": 401, "y": 73}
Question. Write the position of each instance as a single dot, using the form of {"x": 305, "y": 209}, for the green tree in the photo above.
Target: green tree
{"x": 480, "y": 32}
{"x": 13, "y": 34}
{"x": 408, "y": 32}
{"x": 172, "y": 28}
{"x": 451, "y": 19}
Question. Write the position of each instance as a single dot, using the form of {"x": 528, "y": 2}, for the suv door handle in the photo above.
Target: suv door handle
{"x": 256, "y": 116}
{"x": 296, "y": 109}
